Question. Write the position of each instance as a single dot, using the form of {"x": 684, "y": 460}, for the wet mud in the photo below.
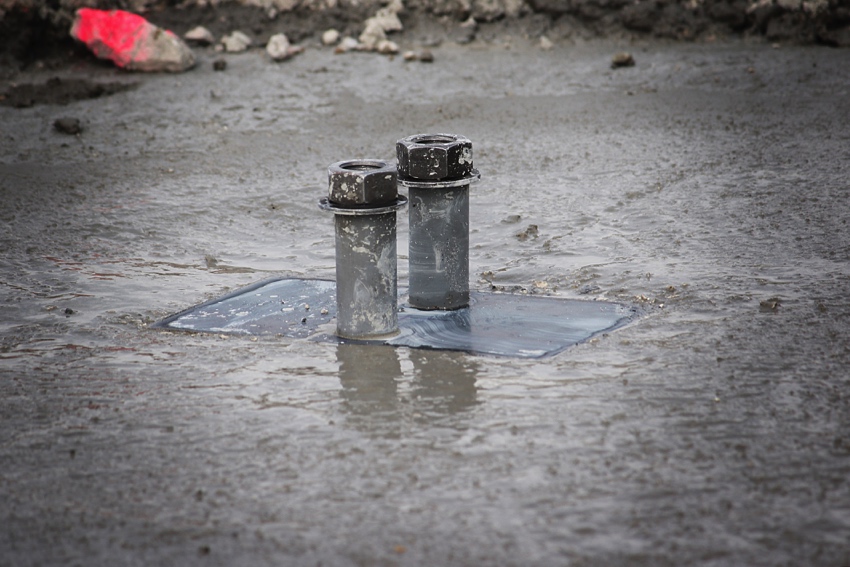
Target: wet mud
{"x": 58, "y": 91}
{"x": 706, "y": 184}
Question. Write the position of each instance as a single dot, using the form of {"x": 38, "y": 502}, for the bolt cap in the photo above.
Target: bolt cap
{"x": 362, "y": 183}
{"x": 434, "y": 156}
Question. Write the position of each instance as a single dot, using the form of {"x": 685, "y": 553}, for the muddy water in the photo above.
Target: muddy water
{"x": 707, "y": 184}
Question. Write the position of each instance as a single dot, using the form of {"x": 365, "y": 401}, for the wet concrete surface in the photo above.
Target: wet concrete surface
{"x": 707, "y": 184}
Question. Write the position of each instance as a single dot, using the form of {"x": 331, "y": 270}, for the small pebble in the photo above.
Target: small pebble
{"x": 68, "y": 126}
{"x": 330, "y": 37}
{"x": 347, "y": 44}
{"x": 409, "y": 56}
{"x": 236, "y": 42}
{"x": 219, "y": 65}
{"x": 622, "y": 59}
{"x": 426, "y": 56}
{"x": 279, "y": 48}
{"x": 199, "y": 35}
{"x": 387, "y": 47}
{"x": 546, "y": 43}
{"x": 324, "y": 311}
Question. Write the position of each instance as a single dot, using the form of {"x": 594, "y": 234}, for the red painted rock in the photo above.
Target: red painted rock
{"x": 130, "y": 41}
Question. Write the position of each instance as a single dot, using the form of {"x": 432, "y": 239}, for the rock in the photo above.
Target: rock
{"x": 347, "y": 44}
{"x": 199, "y": 35}
{"x": 219, "y": 65}
{"x": 387, "y": 47}
{"x": 130, "y": 41}
{"x": 531, "y": 232}
{"x": 388, "y": 19}
{"x": 69, "y": 126}
{"x": 546, "y": 43}
{"x": 425, "y": 56}
{"x": 384, "y": 21}
{"x": 279, "y": 48}
{"x": 622, "y": 59}
{"x": 236, "y": 42}
{"x": 330, "y": 37}
{"x": 372, "y": 35}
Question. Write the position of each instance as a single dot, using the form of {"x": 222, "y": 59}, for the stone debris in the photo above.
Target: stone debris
{"x": 219, "y": 64}
{"x": 199, "y": 35}
{"x": 373, "y": 34}
{"x": 279, "y": 48}
{"x": 387, "y": 47}
{"x": 330, "y": 37}
{"x": 130, "y": 41}
{"x": 347, "y": 44}
{"x": 70, "y": 126}
{"x": 622, "y": 59}
{"x": 546, "y": 43}
{"x": 532, "y": 231}
{"x": 235, "y": 42}
{"x": 377, "y": 27}
{"x": 425, "y": 56}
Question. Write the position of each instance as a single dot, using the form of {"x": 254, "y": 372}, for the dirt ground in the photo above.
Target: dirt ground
{"x": 35, "y": 32}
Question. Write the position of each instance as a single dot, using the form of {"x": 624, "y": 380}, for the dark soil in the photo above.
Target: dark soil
{"x": 59, "y": 91}
{"x": 26, "y": 40}
{"x": 40, "y": 40}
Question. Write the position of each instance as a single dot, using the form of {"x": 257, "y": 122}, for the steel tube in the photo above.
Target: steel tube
{"x": 437, "y": 170}
{"x": 439, "y": 248}
{"x": 366, "y": 275}
{"x": 363, "y": 195}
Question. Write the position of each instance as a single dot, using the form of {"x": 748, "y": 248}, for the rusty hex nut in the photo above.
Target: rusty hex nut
{"x": 362, "y": 183}
{"x": 434, "y": 156}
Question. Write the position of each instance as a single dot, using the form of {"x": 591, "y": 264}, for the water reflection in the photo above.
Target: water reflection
{"x": 443, "y": 381}
{"x": 384, "y": 388}
{"x": 369, "y": 377}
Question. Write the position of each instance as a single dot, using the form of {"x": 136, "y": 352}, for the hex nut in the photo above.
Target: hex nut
{"x": 434, "y": 156}
{"x": 362, "y": 183}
